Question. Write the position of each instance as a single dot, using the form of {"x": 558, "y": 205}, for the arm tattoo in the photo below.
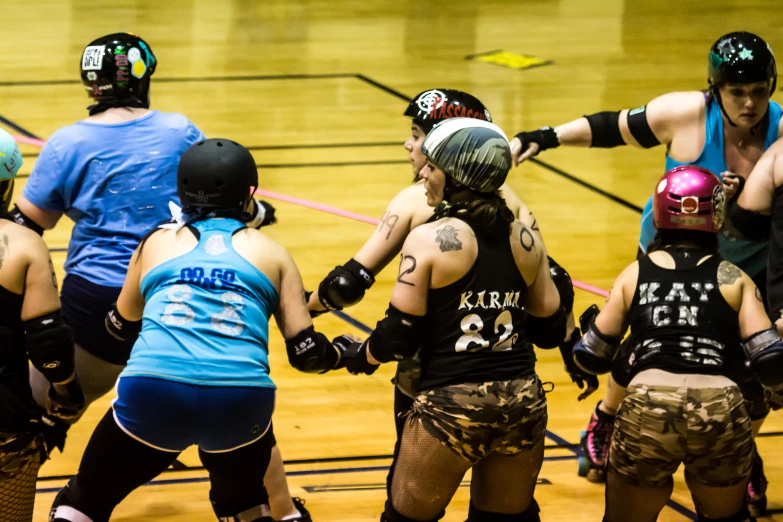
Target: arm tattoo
{"x": 3, "y": 249}
{"x": 728, "y": 273}
{"x": 54, "y": 276}
{"x": 447, "y": 237}
{"x": 535, "y": 223}
{"x": 408, "y": 270}
{"x": 388, "y": 220}
{"x": 526, "y": 239}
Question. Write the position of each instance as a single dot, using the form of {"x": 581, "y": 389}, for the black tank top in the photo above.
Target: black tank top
{"x": 17, "y": 407}
{"x": 775, "y": 260}
{"x": 475, "y": 325}
{"x": 680, "y": 321}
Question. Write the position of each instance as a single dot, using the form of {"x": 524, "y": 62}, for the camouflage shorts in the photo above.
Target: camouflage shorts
{"x": 18, "y": 451}
{"x": 475, "y": 420}
{"x": 659, "y": 427}
{"x": 408, "y": 376}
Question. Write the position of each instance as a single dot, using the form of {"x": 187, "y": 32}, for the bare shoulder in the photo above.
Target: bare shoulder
{"x": 629, "y": 276}
{"x": 260, "y": 242}
{"x": 443, "y": 235}
{"x": 22, "y": 239}
{"x": 684, "y": 104}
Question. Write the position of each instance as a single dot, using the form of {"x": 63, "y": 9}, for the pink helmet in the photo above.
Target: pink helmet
{"x": 689, "y": 198}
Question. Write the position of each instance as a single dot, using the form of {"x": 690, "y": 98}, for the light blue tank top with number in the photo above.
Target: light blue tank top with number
{"x": 206, "y": 318}
{"x": 750, "y": 256}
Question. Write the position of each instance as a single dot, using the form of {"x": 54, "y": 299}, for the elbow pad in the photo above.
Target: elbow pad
{"x": 345, "y": 285}
{"x": 605, "y": 128}
{"x": 752, "y": 225}
{"x": 640, "y": 128}
{"x": 595, "y": 351}
{"x": 547, "y": 332}
{"x": 396, "y": 336}
{"x": 49, "y": 344}
{"x": 311, "y": 352}
{"x": 764, "y": 350}
{"x": 120, "y": 328}
{"x": 20, "y": 219}
{"x": 562, "y": 281}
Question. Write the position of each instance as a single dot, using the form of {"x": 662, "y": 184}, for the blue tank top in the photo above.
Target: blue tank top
{"x": 206, "y": 317}
{"x": 750, "y": 256}
{"x": 115, "y": 181}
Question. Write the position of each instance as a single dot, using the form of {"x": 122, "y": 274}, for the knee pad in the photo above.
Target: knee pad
{"x": 390, "y": 515}
{"x": 529, "y": 515}
{"x": 743, "y": 515}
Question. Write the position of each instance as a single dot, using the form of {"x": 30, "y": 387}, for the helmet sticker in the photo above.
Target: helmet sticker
{"x": 134, "y": 55}
{"x": 92, "y": 59}
{"x": 690, "y": 205}
{"x": 138, "y": 67}
{"x": 746, "y": 54}
{"x": 92, "y": 76}
{"x": 431, "y": 100}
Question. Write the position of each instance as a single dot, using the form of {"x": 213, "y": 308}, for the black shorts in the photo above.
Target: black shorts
{"x": 85, "y": 306}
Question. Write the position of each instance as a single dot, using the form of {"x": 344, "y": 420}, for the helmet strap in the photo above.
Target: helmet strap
{"x": 715, "y": 90}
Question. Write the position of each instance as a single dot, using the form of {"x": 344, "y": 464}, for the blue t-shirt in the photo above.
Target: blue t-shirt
{"x": 115, "y": 182}
{"x": 750, "y": 256}
{"x": 206, "y": 315}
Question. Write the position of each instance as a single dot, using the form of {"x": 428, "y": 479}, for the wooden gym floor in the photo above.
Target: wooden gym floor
{"x": 316, "y": 89}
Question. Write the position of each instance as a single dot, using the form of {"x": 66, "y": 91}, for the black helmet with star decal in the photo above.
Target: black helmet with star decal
{"x": 741, "y": 58}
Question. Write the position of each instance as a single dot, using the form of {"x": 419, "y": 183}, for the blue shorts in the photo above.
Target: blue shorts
{"x": 171, "y": 416}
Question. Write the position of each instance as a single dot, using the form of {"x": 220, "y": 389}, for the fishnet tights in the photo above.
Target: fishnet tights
{"x": 428, "y": 473}
{"x": 17, "y": 491}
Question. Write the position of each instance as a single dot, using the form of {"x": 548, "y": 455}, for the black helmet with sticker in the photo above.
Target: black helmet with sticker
{"x": 741, "y": 58}
{"x": 435, "y": 105}
{"x": 216, "y": 174}
{"x": 118, "y": 67}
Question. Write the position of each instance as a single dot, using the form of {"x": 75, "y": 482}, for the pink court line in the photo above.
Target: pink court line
{"x": 329, "y": 210}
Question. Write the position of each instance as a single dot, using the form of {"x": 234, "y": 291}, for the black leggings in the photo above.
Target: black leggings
{"x": 114, "y": 464}
{"x": 402, "y": 404}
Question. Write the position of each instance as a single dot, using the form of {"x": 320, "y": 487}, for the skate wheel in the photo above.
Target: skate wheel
{"x": 584, "y": 466}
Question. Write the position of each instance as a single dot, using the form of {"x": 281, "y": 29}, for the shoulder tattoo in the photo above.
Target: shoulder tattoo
{"x": 728, "y": 273}
{"x": 447, "y": 237}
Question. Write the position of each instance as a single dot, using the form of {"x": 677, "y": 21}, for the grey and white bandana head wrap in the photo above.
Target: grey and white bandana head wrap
{"x": 475, "y": 153}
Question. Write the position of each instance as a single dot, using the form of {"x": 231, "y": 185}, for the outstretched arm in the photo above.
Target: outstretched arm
{"x": 644, "y": 127}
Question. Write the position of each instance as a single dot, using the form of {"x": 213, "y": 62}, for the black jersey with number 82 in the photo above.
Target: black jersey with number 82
{"x": 475, "y": 325}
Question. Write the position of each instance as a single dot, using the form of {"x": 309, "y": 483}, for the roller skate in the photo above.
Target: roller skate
{"x": 757, "y": 487}
{"x": 595, "y": 443}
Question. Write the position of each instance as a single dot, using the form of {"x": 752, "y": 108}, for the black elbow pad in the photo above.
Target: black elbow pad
{"x": 397, "y": 336}
{"x": 547, "y": 332}
{"x": 605, "y": 129}
{"x": 21, "y": 219}
{"x": 311, "y": 352}
{"x": 752, "y": 225}
{"x": 49, "y": 344}
{"x": 565, "y": 286}
{"x": 121, "y": 328}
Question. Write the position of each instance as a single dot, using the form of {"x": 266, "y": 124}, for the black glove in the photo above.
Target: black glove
{"x": 545, "y": 137}
{"x": 353, "y": 356}
{"x": 65, "y": 401}
{"x": 585, "y": 381}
